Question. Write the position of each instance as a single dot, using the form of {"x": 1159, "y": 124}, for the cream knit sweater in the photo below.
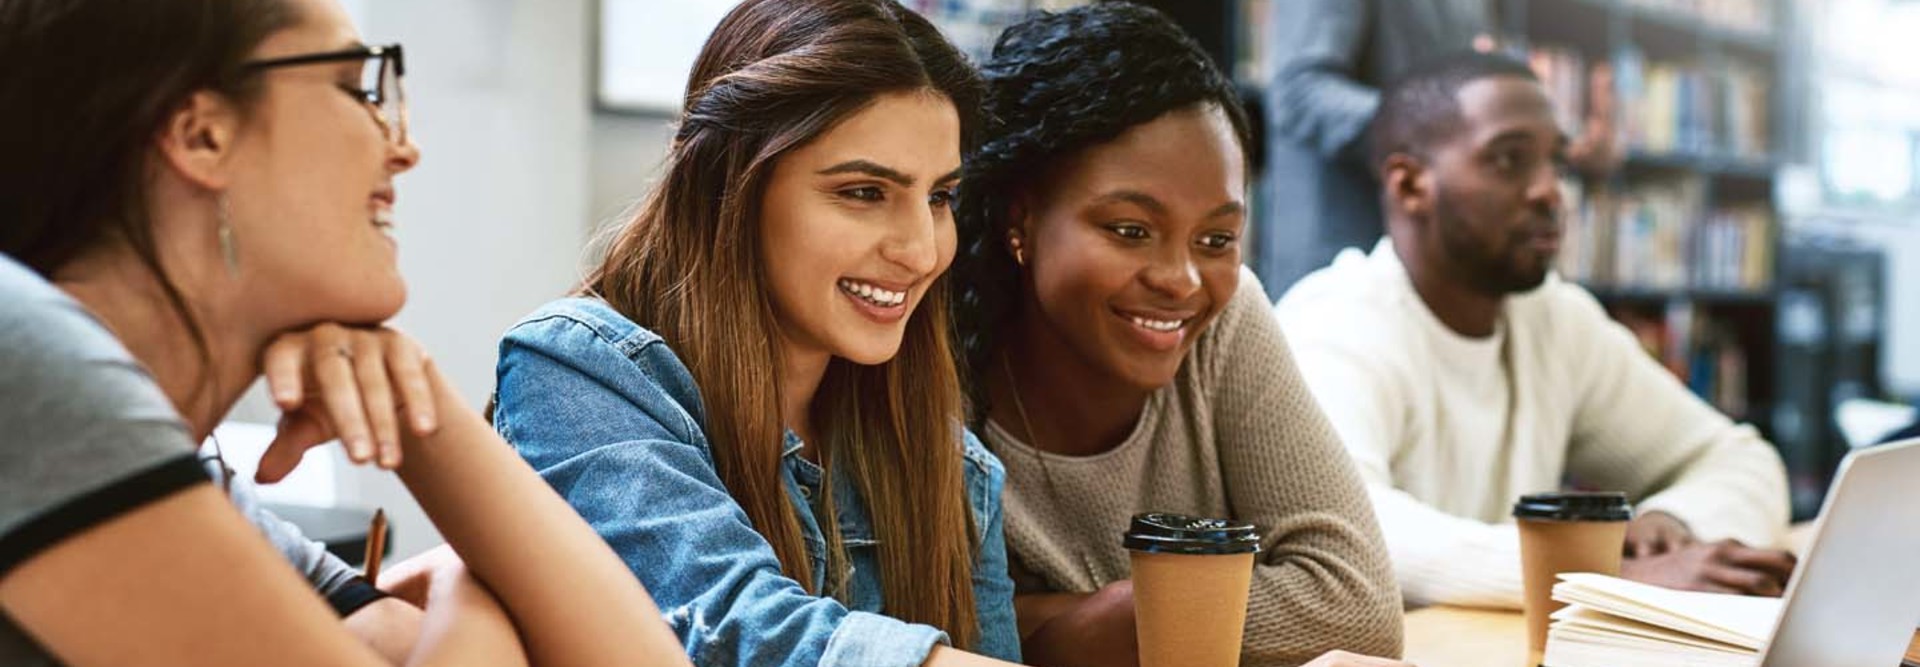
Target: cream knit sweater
{"x": 1423, "y": 409}
{"x": 1236, "y": 435}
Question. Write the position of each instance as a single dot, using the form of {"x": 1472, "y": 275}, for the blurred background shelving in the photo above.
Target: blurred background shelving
{"x": 1737, "y": 122}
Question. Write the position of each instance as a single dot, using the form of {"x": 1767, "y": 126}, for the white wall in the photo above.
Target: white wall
{"x": 493, "y": 221}
{"x": 517, "y": 172}
{"x": 517, "y": 169}
{"x": 627, "y": 154}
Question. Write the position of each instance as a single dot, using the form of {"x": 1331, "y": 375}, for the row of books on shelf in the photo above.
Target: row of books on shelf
{"x": 1754, "y": 16}
{"x": 1579, "y": 92}
{"x": 1659, "y": 107}
{"x": 1663, "y": 236}
{"x": 1681, "y": 107}
{"x": 1703, "y": 351}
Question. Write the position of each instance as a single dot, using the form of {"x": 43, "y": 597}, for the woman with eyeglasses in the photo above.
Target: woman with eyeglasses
{"x": 753, "y": 398}
{"x": 194, "y": 193}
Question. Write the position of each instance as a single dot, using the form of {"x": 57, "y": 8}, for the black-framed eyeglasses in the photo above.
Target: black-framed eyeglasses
{"x": 379, "y": 81}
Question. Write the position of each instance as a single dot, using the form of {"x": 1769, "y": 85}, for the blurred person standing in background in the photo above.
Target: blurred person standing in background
{"x": 1330, "y": 60}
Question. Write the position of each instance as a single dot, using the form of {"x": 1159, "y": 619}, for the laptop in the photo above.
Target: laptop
{"x": 1854, "y": 601}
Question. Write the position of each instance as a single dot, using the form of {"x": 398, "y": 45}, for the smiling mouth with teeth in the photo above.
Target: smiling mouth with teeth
{"x": 871, "y": 294}
{"x": 383, "y": 221}
{"x": 1158, "y": 325}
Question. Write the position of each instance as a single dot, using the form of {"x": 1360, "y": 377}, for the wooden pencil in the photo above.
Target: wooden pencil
{"x": 376, "y": 545}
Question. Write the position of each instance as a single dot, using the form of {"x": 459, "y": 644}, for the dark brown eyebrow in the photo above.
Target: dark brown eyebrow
{"x": 1147, "y": 201}
{"x": 869, "y": 168}
{"x": 1510, "y": 136}
{"x": 1135, "y": 197}
{"x": 1517, "y": 134}
{"x": 1227, "y": 209}
{"x": 949, "y": 178}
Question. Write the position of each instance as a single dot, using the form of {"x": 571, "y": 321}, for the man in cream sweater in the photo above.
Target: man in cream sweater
{"x": 1461, "y": 373}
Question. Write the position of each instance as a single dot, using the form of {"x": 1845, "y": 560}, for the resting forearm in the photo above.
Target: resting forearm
{"x": 464, "y": 626}
{"x": 1325, "y": 602}
{"x": 949, "y": 657}
{"x": 1737, "y": 490}
{"x": 1033, "y": 610}
{"x": 388, "y": 625}
{"x": 574, "y": 601}
{"x": 1445, "y": 559}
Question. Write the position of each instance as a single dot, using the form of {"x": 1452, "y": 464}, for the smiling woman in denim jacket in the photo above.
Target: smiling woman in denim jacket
{"x": 753, "y": 399}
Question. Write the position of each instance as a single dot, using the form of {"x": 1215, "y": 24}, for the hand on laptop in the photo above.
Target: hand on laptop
{"x": 1655, "y": 533}
{"x": 1715, "y": 567}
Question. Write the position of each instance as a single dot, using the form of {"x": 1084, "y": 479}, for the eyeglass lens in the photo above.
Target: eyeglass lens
{"x": 380, "y": 79}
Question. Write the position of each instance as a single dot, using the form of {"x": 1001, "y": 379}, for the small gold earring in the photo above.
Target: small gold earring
{"x": 228, "y": 248}
{"x": 1018, "y": 248}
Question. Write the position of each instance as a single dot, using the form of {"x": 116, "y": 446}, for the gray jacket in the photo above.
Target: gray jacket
{"x": 1331, "y": 57}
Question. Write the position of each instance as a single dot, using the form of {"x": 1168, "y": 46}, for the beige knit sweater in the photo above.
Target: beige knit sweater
{"x": 1236, "y": 435}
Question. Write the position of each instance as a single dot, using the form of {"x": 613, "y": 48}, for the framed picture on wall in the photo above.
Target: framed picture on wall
{"x": 646, "y": 49}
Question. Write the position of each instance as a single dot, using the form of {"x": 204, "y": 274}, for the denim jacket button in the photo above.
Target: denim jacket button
{"x": 806, "y": 493}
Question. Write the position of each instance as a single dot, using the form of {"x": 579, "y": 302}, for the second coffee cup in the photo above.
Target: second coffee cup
{"x": 1561, "y": 533}
{"x": 1190, "y": 582}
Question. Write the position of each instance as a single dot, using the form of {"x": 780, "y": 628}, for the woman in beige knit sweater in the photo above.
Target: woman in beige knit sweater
{"x": 1121, "y": 360}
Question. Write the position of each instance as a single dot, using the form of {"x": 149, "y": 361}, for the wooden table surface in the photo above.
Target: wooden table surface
{"x": 1456, "y": 637}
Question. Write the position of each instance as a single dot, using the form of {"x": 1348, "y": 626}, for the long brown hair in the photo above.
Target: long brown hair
{"x": 89, "y": 85}
{"x": 773, "y": 76}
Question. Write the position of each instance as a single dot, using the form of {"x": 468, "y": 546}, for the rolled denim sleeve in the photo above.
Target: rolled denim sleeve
{"x": 857, "y": 643}
{"x": 992, "y": 586}
{"x": 606, "y": 416}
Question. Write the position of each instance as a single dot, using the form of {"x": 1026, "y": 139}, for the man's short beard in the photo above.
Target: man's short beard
{"x": 1483, "y": 270}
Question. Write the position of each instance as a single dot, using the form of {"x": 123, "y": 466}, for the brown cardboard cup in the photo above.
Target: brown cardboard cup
{"x": 1190, "y": 582}
{"x": 1561, "y": 533}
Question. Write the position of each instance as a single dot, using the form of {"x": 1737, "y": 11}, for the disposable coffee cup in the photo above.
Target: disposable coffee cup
{"x": 1190, "y": 581}
{"x": 1561, "y": 533}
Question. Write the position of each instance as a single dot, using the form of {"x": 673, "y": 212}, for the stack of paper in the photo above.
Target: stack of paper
{"x": 1609, "y": 622}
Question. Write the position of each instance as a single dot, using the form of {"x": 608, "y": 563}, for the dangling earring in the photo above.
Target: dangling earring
{"x": 1018, "y": 247}
{"x": 228, "y": 250}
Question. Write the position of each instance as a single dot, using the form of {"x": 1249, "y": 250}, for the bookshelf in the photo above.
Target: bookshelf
{"x": 1682, "y": 240}
{"x": 1833, "y": 321}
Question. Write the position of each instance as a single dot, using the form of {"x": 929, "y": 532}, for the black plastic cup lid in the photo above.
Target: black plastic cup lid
{"x": 1574, "y": 506}
{"x": 1159, "y": 533}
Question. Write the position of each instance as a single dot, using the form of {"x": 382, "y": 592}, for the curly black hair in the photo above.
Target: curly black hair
{"x": 1058, "y": 83}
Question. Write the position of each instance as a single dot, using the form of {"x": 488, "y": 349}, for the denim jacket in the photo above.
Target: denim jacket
{"x": 613, "y": 421}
